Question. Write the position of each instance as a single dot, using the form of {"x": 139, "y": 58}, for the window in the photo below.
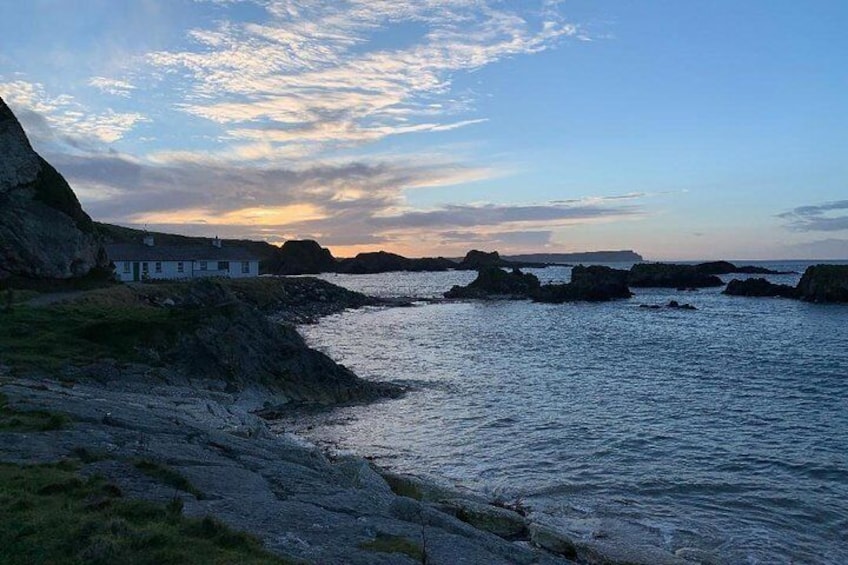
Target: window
{"x": 203, "y": 265}
{"x": 245, "y": 267}
{"x": 126, "y": 266}
{"x": 158, "y": 266}
{"x": 180, "y": 267}
{"x": 144, "y": 268}
{"x": 223, "y": 265}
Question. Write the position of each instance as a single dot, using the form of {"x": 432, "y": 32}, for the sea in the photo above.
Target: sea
{"x": 722, "y": 429}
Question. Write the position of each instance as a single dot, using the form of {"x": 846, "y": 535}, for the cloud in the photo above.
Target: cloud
{"x": 112, "y": 86}
{"x": 61, "y": 119}
{"x": 819, "y": 249}
{"x": 312, "y": 72}
{"x": 824, "y": 217}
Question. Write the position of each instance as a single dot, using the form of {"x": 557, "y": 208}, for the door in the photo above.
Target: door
{"x": 136, "y": 272}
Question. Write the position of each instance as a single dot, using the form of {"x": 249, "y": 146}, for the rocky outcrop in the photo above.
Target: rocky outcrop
{"x": 304, "y": 257}
{"x": 668, "y": 275}
{"x": 594, "y": 284}
{"x": 759, "y": 287}
{"x": 384, "y": 262}
{"x": 44, "y": 232}
{"x": 824, "y": 283}
{"x": 728, "y": 268}
{"x": 624, "y": 256}
{"x": 494, "y": 282}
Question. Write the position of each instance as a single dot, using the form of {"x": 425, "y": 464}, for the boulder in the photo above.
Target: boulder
{"x": 552, "y": 541}
{"x": 502, "y": 522}
{"x": 594, "y": 284}
{"x": 44, "y": 232}
{"x": 824, "y": 283}
{"x": 304, "y": 257}
{"x": 495, "y": 282}
{"x": 759, "y": 287}
{"x": 668, "y": 275}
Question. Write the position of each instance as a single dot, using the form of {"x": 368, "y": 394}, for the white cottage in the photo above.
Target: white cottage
{"x": 137, "y": 262}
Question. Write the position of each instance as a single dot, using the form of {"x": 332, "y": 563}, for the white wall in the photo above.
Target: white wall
{"x": 191, "y": 269}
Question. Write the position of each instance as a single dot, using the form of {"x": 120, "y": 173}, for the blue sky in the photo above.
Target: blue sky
{"x": 683, "y": 130}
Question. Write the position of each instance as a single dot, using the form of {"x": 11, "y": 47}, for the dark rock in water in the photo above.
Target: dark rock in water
{"x": 475, "y": 259}
{"x": 304, "y": 257}
{"x": 384, "y": 262}
{"x": 824, "y": 283}
{"x": 495, "y": 282}
{"x": 667, "y": 275}
{"x": 44, "y": 232}
{"x": 727, "y": 268}
{"x": 679, "y": 306}
{"x": 759, "y": 287}
{"x": 593, "y": 284}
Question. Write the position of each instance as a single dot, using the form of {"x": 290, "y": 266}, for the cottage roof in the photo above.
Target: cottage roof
{"x": 139, "y": 252}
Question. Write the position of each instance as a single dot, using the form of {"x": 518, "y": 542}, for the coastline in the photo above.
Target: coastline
{"x": 302, "y": 503}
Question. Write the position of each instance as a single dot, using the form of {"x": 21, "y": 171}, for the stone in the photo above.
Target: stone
{"x": 494, "y": 282}
{"x": 502, "y": 522}
{"x": 824, "y": 283}
{"x": 759, "y": 287}
{"x": 667, "y": 275}
{"x": 553, "y": 541}
{"x": 384, "y": 262}
{"x": 44, "y": 232}
{"x": 304, "y": 257}
{"x": 594, "y": 284}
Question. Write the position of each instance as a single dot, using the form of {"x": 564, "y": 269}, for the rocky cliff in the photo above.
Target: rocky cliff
{"x": 44, "y": 232}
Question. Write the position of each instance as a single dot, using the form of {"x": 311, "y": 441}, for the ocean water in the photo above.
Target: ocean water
{"x": 723, "y": 429}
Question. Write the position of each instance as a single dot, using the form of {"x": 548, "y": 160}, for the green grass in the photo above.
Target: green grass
{"x": 386, "y": 543}
{"x": 51, "y": 337}
{"x": 167, "y": 476}
{"x": 50, "y": 515}
{"x": 35, "y": 421}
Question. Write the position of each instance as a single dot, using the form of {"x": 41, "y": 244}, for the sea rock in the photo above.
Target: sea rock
{"x": 495, "y": 282}
{"x": 668, "y": 275}
{"x": 594, "y": 284}
{"x": 727, "y": 268}
{"x": 476, "y": 259}
{"x": 384, "y": 262}
{"x": 759, "y": 287}
{"x": 44, "y": 232}
{"x": 304, "y": 257}
{"x": 679, "y": 306}
{"x": 824, "y": 283}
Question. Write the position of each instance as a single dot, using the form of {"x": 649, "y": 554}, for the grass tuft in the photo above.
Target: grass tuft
{"x": 12, "y": 420}
{"x": 49, "y": 515}
{"x": 386, "y": 543}
{"x": 167, "y": 476}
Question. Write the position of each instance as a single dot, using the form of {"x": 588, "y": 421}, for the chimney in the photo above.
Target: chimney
{"x": 148, "y": 240}
{"x": 216, "y": 242}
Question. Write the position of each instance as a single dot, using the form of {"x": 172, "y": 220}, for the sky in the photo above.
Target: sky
{"x": 697, "y": 129}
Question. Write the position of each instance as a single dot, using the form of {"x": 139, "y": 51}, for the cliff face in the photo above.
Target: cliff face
{"x": 44, "y": 232}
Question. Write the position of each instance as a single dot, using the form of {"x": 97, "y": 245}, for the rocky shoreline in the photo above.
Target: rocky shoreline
{"x": 208, "y": 428}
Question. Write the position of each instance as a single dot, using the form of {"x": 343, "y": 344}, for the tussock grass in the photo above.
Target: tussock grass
{"x": 49, "y": 515}
{"x": 386, "y": 543}
{"x": 33, "y": 421}
{"x": 51, "y": 337}
{"x": 167, "y": 476}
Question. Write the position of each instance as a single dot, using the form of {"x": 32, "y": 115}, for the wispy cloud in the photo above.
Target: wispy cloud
{"x": 830, "y": 216}
{"x": 62, "y": 118}
{"x": 313, "y": 73}
{"x": 112, "y": 86}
